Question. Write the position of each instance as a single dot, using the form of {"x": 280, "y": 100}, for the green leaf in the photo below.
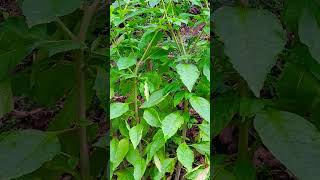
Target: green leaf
{"x": 185, "y": 156}
{"x": 171, "y": 123}
{"x": 126, "y": 62}
{"x": 226, "y": 107}
{"x": 167, "y": 166}
{"x": 25, "y": 151}
{"x": 133, "y": 155}
{"x": 154, "y": 99}
{"x": 118, "y": 109}
{"x": 135, "y": 134}
{"x": 152, "y": 117}
{"x": 222, "y": 174}
{"x": 305, "y": 148}
{"x": 120, "y": 151}
{"x": 202, "y": 148}
{"x": 125, "y": 174}
{"x": 47, "y": 11}
{"x": 201, "y": 106}
{"x": 55, "y": 47}
{"x": 153, "y": 3}
{"x": 139, "y": 169}
{"x": 244, "y": 169}
{"x": 101, "y": 85}
{"x": 309, "y": 33}
{"x": 206, "y": 71}
{"x": 6, "y": 98}
{"x": 48, "y": 85}
{"x": 189, "y": 74}
{"x": 198, "y": 173}
{"x": 157, "y": 143}
{"x": 252, "y": 39}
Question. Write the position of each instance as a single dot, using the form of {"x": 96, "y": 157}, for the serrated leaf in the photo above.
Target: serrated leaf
{"x": 189, "y": 74}
{"x": 171, "y": 123}
{"x": 252, "y": 39}
{"x": 118, "y": 109}
{"x": 47, "y": 11}
{"x": 185, "y": 156}
{"x": 135, "y": 134}
{"x": 201, "y": 106}
{"x": 26, "y": 151}
{"x": 152, "y": 117}
{"x": 284, "y": 127}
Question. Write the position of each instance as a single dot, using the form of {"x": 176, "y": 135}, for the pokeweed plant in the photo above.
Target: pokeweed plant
{"x": 272, "y": 86}
{"x": 160, "y": 89}
{"x": 55, "y": 53}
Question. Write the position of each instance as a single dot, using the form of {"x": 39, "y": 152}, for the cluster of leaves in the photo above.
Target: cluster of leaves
{"x": 160, "y": 88}
{"x": 42, "y": 54}
{"x": 267, "y": 82}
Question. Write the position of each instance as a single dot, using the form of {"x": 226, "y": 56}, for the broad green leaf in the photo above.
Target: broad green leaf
{"x": 25, "y": 151}
{"x": 118, "y": 109}
{"x": 15, "y": 44}
{"x": 157, "y": 143}
{"x": 305, "y": 148}
{"x": 309, "y": 33}
{"x": 202, "y": 148}
{"x": 205, "y": 131}
{"x": 126, "y": 62}
{"x": 55, "y": 47}
{"x": 178, "y": 97}
{"x": 198, "y": 173}
{"x": 206, "y": 71}
{"x": 135, "y": 134}
{"x": 119, "y": 153}
{"x": 101, "y": 85}
{"x": 47, "y": 11}
{"x": 222, "y": 174}
{"x": 53, "y": 83}
{"x": 133, "y": 155}
{"x": 244, "y": 169}
{"x": 170, "y": 124}
{"x": 189, "y": 74}
{"x": 139, "y": 169}
{"x": 203, "y": 174}
{"x": 167, "y": 166}
{"x": 152, "y": 117}
{"x": 252, "y": 40}
{"x": 225, "y": 107}
{"x": 6, "y": 98}
{"x": 185, "y": 156}
{"x": 125, "y": 174}
{"x": 154, "y": 99}
{"x": 201, "y": 106}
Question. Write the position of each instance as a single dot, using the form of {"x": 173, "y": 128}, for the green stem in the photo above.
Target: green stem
{"x": 67, "y": 30}
{"x": 243, "y": 152}
{"x": 81, "y": 104}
